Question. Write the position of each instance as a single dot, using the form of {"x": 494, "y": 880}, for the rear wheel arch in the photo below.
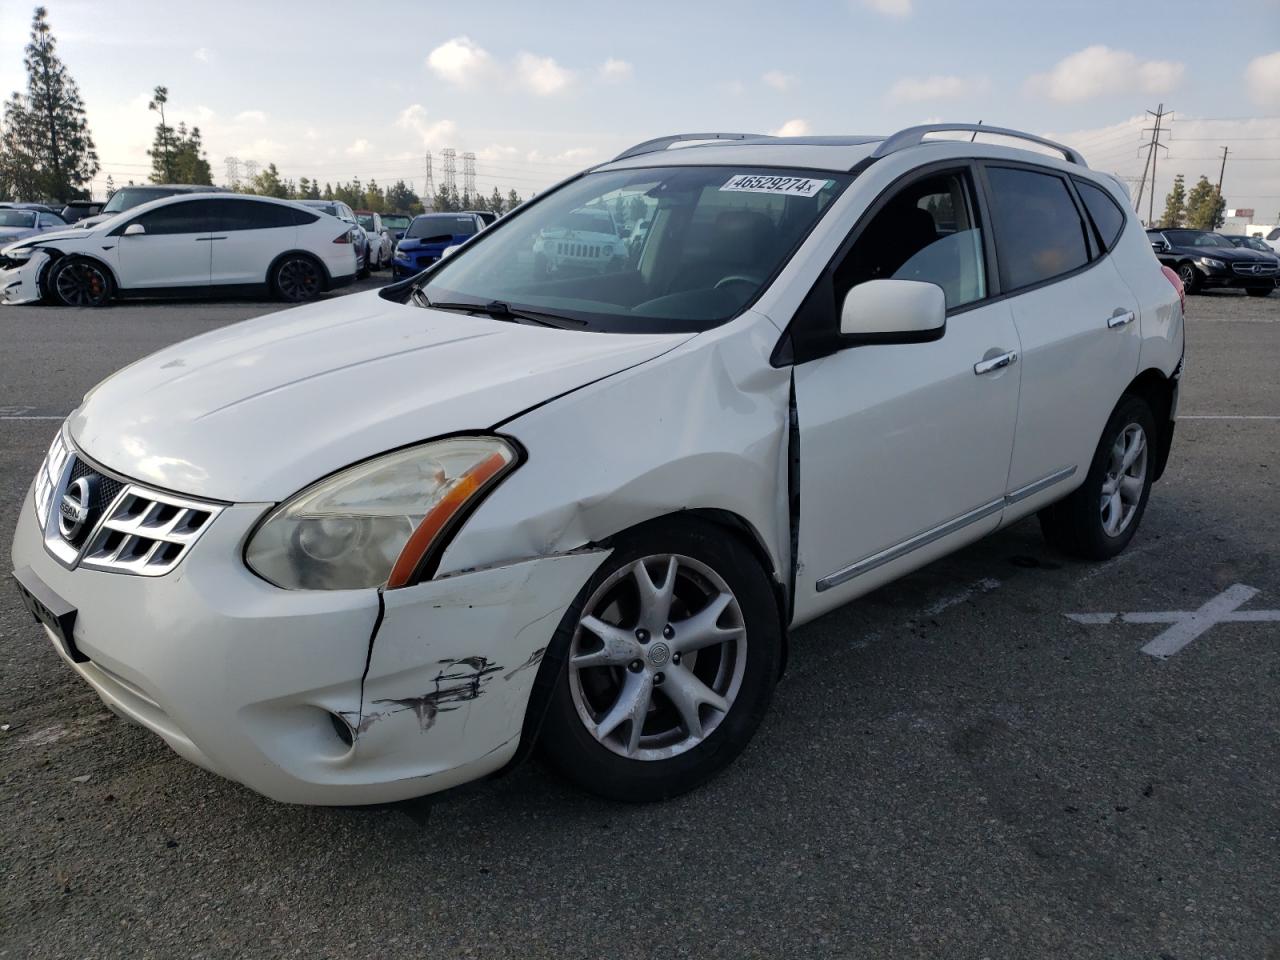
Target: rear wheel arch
{"x": 1158, "y": 391}
{"x": 298, "y": 252}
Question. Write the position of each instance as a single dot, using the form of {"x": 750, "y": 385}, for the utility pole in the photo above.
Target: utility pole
{"x": 1153, "y": 146}
{"x": 1222, "y": 170}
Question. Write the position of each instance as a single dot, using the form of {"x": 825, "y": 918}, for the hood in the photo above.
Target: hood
{"x": 258, "y": 410}
{"x": 435, "y": 240}
{"x": 10, "y": 234}
{"x": 33, "y": 236}
{"x": 1231, "y": 254}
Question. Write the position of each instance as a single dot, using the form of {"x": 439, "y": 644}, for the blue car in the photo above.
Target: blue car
{"x": 427, "y": 238}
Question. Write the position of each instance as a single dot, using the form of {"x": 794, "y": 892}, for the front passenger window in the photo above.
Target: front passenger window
{"x": 928, "y": 232}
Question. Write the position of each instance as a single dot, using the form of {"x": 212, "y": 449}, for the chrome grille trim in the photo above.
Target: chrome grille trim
{"x": 1254, "y": 269}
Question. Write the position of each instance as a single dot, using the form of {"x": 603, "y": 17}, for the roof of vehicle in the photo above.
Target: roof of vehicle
{"x": 182, "y": 187}
{"x": 834, "y": 153}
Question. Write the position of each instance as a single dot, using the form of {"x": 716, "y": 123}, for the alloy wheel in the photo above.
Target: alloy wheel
{"x": 658, "y": 657}
{"x": 81, "y": 284}
{"x": 1125, "y": 480}
{"x": 298, "y": 279}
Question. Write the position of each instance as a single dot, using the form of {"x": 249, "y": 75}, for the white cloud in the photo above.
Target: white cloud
{"x": 414, "y": 117}
{"x": 1099, "y": 70}
{"x": 778, "y": 80}
{"x": 1263, "y": 76}
{"x": 734, "y": 88}
{"x": 542, "y": 75}
{"x": 938, "y": 87}
{"x": 890, "y": 8}
{"x": 615, "y": 71}
{"x": 460, "y": 61}
{"x": 202, "y": 54}
{"x": 251, "y": 116}
{"x": 574, "y": 155}
{"x": 359, "y": 148}
{"x": 792, "y": 128}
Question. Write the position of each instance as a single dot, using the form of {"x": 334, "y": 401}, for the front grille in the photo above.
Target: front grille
{"x": 585, "y": 251}
{"x": 1254, "y": 269}
{"x": 105, "y": 489}
{"x": 146, "y": 532}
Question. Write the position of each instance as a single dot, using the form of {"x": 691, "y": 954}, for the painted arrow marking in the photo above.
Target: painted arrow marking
{"x": 1186, "y": 625}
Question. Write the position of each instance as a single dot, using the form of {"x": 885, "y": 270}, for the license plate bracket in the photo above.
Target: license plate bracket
{"x": 49, "y": 609}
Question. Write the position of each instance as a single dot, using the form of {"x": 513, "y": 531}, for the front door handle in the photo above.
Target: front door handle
{"x": 1120, "y": 319}
{"x": 995, "y": 363}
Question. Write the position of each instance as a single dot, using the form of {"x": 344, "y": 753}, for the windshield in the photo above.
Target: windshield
{"x": 127, "y": 197}
{"x": 17, "y": 218}
{"x": 366, "y": 220}
{"x": 440, "y": 227}
{"x": 1197, "y": 238}
{"x": 395, "y": 222}
{"x": 715, "y": 238}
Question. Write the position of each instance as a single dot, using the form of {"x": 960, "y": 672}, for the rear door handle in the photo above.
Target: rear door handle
{"x": 995, "y": 363}
{"x": 1120, "y": 319}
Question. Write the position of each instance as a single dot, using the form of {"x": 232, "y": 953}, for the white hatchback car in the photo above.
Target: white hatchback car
{"x": 377, "y": 547}
{"x": 184, "y": 245}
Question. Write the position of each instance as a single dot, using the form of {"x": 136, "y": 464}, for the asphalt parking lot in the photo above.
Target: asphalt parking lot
{"x": 977, "y": 761}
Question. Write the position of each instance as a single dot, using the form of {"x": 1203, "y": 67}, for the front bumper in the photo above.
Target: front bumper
{"x": 21, "y": 283}
{"x": 291, "y": 693}
{"x": 1227, "y": 278}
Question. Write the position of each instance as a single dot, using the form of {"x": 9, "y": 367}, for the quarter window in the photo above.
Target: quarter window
{"x": 1103, "y": 210}
{"x": 1039, "y": 233}
{"x": 929, "y": 232}
{"x": 253, "y": 215}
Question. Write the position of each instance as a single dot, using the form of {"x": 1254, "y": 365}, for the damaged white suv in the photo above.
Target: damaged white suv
{"x": 372, "y": 548}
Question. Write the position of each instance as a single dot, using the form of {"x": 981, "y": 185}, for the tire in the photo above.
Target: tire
{"x": 1189, "y": 276}
{"x": 297, "y": 278}
{"x": 1258, "y": 292}
{"x": 80, "y": 282}
{"x": 1083, "y": 525}
{"x": 668, "y": 756}
{"x": 363, "y": 270}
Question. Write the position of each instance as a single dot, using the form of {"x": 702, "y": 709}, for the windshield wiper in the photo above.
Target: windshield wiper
{"x": 500, "y": 310}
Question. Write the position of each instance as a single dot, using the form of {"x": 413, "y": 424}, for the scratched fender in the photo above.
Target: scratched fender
{"x": 451, "y": 668}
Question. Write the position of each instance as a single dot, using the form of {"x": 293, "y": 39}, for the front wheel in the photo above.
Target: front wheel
{"x": 1259, "y": 291}
{"x": 1190, "y": 277}
{"x": 672, "y": 653}
{"x": 80, "y": 282}
{"x": 1099, "y": 519}
{"x": 297, "y": 279}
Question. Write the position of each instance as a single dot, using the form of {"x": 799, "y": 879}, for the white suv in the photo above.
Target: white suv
{"x": 377, "y": 547}
{"x": 184, "y": 245}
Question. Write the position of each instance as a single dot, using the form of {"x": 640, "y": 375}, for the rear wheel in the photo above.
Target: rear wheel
{"x": 1099, "y": 519}
{"x": 80, "y": 282}
{"x": 297, "y": 278}
{"x": 672, "y": 653}
{"x": 1189, "y": 276}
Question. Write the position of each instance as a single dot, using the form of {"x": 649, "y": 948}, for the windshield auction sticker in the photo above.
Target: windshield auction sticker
{"x": 783, "y": 186}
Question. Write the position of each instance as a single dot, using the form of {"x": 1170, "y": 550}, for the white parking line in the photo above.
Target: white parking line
{"x": 982, "y": 586}
{"x": 1186, "y": 625}
{"x": 1227, "y": 416}
{"x": 34, "y": 418}
{"x": 1233, "y": 319}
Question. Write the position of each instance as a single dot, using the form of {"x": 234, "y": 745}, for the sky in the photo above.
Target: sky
{"x": 539, "y": 90}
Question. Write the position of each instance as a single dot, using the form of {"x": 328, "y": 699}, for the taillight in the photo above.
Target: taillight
{"x": 1176, "y": 280}
{"x": 344, "y": 238}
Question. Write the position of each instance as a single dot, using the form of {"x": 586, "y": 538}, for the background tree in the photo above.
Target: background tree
{"x": 160, "y": 153}
{"x": 1205, "y": 206}
{"x": 46, "y": 150}
{"x": 267, "y": 183}
{"x": 1175, "y": 204}
{"x": 111, "y": 186}
{"x": 400, "y": 198}
{"x": 513, "y": 200}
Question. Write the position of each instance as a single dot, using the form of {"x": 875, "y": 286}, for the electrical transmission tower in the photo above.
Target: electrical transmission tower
{"x": 1154, "y": 146}
{"x": 449, "y": 169}
{"x": 428, "y": 184}
{"x": 233, "y": 170}
{"x": 469, "y": 174}
{"x": 250, "y": 169}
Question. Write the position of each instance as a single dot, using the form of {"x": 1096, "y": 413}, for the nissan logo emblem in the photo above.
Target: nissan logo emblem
{"x": 73, "y": 509}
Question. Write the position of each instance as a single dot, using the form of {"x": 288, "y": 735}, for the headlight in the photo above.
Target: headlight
{"x": 375, "y": 524}
{"x": 49, "y": 475}
{"x": 1212, "y": 263}
{"x": 19, "y": 254}
{"x": 401, "y": 255}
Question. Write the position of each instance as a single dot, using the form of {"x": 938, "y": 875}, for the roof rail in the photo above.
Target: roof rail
{"x": 662, "y": 143}
{"x": 912, "y": 136}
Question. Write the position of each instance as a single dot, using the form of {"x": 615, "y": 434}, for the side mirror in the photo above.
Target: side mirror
{"x": 450, "y": 251}
{"x": 134, "y": 230}
{"x": 1159, "y": 246}
{"x": 894, "y": 311}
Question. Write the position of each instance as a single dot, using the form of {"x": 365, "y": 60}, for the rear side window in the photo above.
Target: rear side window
{"x": 252, "y": 215}
{"x": 191, "y": 216}
{"x": 1103, "y": 211}
{"x": 1039, "y": 234}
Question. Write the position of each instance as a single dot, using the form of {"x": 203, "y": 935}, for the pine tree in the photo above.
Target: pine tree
{"x": 111, "y": 186}
{"x": 1175, "y": 204}
{"x": 513, "y": 200}
{"x": 400, "y": 198}
{"x": 1205, "y": 206}
{"x": 161, "y": 152}
{"x": 46, "y": 150}
{"x": 328, "y": 192}
{"x": 495, "y": 201}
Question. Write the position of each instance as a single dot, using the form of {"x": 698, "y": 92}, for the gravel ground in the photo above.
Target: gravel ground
{"x": 952, "y": 767}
